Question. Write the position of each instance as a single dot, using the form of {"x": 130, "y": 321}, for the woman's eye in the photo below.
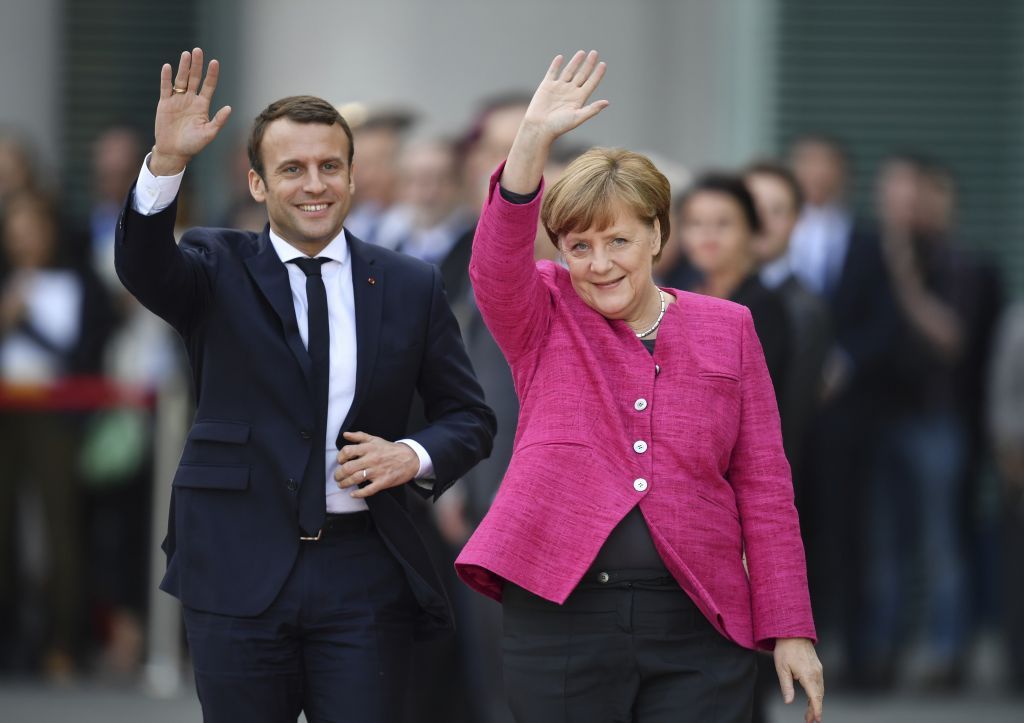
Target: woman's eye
{"x": 619, "y": 242}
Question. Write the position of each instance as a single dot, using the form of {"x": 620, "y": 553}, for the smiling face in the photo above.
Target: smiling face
{"x": 307, "y": 182}
{"x": 610, "y": 267}
{"x": 715, "y": 233}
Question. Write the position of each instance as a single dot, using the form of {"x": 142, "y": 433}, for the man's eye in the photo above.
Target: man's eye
{"x": 331, "y": 166}
{"x": 291, "y": 169}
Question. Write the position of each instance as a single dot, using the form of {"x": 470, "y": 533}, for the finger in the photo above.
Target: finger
{"x": 574, "y": 64}
{"x": 181, "y": 79}
{"x": 369, "y": 490}
{"x": 589, "y": 63}
{"x": 210, "y": 82}
{"x": 352, "y": 451}
{"x": 352, "y": 478}
{"x": 222, "y": 117}
{"x": 165, "y": 80}
{"x": 587, "y": 112}
{"x": 815, "y": 690}
{"x": 359, "y": 436}
{"x": 595, "y": 78}
{"x": 786, "y": 684}
{"x": 556, "y": 64}
{"x": 195, "y": 73}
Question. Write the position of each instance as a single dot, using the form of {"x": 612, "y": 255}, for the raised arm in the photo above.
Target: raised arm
{"x": 558, "y": 105}
{"x": 509, "y": 290}
{"x": 172, "y": 281}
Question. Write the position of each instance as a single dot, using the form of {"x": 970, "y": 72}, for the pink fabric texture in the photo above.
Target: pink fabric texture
{"x": 712, "y": 484}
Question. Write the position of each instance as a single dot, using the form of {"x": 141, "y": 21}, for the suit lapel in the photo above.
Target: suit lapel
{"x": 271, "y": 277}
{"x": 368, "y": 293}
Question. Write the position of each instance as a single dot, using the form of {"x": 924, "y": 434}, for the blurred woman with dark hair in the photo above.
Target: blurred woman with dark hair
{"x": 53, "y": 321}
{"x": 718, "y": 223}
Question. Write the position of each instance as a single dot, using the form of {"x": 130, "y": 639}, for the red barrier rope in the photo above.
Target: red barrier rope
{"x": 74, "y": 394}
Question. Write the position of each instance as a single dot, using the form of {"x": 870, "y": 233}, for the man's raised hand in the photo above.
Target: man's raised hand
{"x": 183, "y": 123}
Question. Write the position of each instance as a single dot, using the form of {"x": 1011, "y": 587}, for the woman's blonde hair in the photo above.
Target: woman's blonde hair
{"x": 597, "y": 184}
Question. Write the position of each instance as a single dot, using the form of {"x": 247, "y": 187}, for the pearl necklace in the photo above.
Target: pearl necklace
{"x": 656, "y": 324}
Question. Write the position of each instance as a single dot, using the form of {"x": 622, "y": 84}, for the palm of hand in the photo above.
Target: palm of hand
{"x": 560, "y": 102}
{"x": 184, "y": 121}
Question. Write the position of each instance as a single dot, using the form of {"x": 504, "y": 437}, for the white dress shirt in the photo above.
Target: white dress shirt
{"x": 155, "y": 193}
{"x": 817, "y": 250}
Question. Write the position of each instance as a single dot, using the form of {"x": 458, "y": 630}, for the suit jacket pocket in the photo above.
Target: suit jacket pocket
{"x": 211, "y": 430}
{"x": 212, "y": 477}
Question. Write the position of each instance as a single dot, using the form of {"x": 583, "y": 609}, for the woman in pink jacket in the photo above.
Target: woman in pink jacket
{"x": 644, "y": 540}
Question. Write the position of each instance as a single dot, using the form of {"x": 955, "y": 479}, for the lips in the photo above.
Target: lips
{"x": 609, "y": 284}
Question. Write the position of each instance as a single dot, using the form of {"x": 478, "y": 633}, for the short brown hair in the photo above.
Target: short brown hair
{"x": 780, "y": 173}
{"x": 596, "y": 182}
{"x": 298, "y": 108}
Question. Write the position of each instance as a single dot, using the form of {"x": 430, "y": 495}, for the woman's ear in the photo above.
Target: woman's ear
{"x": 656, "y": 237}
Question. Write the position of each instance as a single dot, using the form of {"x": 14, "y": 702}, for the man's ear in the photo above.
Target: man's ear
{"x": 257, "y": 186}
{"x": 352, "y": 178}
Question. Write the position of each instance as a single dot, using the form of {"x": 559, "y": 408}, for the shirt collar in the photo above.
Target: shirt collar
{"x": 336, "y": 250}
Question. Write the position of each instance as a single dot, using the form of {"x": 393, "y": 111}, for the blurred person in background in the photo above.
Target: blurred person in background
{"x": 840, "y": 261}
{"x": 54, "y": 319}
{"x": 116, "y": 155}
{"x": 430, "y": 221}
{"x": 18, "y": 171}
{"x": 718, "y": 222}
{"x": 1006, "y": 427}
{"x": 488, "y": 140}
{"x": 916, "y": 491}
{"x": 378, "y": 135}
{"x": 779, "y": 200}
{"x": 980, "y": 299}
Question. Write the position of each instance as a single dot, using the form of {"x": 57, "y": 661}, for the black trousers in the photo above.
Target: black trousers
{"x": 336, "y": 643}
{"x": 634, "y": 649}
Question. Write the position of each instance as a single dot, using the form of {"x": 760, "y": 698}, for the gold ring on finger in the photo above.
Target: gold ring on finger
{"x": 176, "y": 89}
{"x": 364, "y": 474}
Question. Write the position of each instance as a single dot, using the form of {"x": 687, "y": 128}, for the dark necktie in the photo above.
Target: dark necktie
{"x": 312, "y": 494}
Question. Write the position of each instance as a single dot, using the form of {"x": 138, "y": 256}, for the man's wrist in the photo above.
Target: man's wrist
{"x": 162, "y": 164}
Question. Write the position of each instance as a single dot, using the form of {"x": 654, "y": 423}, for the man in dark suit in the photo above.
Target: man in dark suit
{"x": 302, "y": 578}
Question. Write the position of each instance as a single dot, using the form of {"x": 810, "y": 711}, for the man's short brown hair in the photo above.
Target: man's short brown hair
{"x": 597, "y": 184}
{"x": 298, "y": 108}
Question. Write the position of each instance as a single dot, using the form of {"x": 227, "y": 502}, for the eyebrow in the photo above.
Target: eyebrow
{"x": 297, "y": 162}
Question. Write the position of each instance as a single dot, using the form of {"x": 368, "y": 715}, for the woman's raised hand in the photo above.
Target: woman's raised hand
{"x": 560, "y": 101}
{"x": 183, "y": 123}
{"x": 558, "y": 105}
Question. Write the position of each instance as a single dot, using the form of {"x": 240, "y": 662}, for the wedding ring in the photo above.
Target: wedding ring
{"x": 175, "y": 89}
{"x": 364, "y": 474}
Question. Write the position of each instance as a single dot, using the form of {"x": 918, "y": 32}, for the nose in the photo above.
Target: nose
{"x": 601, "y": 261}
{"x": 314, "y": 184}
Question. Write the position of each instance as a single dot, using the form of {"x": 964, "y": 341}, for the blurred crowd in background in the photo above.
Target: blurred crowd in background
{"x": 895, "y": 350}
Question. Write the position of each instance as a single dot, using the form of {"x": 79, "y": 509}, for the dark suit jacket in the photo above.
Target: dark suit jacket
{"x": 233, "y": 535}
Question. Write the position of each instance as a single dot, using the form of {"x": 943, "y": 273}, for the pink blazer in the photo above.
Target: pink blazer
{"x": 691, "y": 435}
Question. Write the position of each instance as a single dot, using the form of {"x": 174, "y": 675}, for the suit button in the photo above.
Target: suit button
{"x": 639, "y": 446}
{"x": 640, "y": 404}
{"x": 640, "y": 484}
{"x": 603, "y": 577}
{"x": 305, "y": 434}
{"x": 292, "y": 485}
